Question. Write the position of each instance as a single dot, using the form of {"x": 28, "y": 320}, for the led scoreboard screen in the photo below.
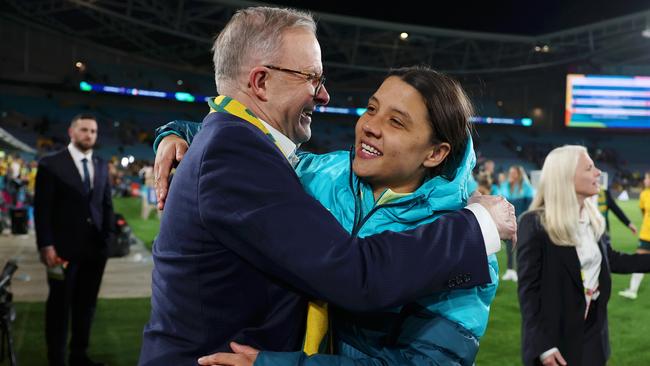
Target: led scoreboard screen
{"x": 607, "y": 101}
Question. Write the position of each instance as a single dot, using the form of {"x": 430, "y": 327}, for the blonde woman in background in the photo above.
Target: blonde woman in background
{"x": 565, "y": 265}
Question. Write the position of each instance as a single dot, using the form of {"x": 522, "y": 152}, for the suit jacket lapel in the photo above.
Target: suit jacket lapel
{"x": 604, "y": 280}
{"x": 604, "y": 264}
{"x": 98, "y": 178}
{"x": 569, "y": 258}
{"x": 71, "y": 172}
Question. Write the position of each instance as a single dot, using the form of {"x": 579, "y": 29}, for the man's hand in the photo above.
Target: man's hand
{"x": 554, "y": 359}
{"x": 632, "y": 228}
{"x": 170, "y": 152}
{"x": 49, "y": 256}
{"x": 503, "y": 214}
{"x": 242, "y": 356}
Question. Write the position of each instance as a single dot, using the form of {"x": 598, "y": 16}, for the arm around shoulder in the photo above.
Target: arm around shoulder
{"x": 261, "y": 212}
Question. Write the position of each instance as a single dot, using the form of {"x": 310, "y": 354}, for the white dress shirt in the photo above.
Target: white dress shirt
{"x": 77, "y": 156}
{"x": 590, "y": 259}
{"x": 287, "y": 146}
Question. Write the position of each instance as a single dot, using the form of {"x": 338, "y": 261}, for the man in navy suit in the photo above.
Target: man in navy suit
{"x": 242, "y": 247}
{"x": 74, "y": 221}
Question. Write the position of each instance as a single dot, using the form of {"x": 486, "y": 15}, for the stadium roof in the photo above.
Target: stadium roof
{"x": 507, "y": 16}
{"x": 9, "y": 142}
{"x": 360, "y": 40}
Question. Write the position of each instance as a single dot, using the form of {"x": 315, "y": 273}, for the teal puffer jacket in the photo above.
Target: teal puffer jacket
{"x": 443, "y": 328}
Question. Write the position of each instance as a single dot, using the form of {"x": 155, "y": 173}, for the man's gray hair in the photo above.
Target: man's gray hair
{"x": 253, "y": 35}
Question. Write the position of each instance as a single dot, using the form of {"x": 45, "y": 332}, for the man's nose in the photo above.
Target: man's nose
{"x": 323, "y": 97}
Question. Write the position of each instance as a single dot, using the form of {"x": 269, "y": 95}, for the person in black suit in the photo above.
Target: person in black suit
{"x": 565, "y": 265}
{"x": 73, "y": 216}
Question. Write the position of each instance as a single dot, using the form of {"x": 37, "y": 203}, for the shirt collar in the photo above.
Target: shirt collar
{"x": 77, "y": 155}
{"x": 286, "y": 145}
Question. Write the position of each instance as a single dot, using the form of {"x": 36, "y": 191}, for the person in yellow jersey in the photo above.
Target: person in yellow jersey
{"x": 644, "y": 238}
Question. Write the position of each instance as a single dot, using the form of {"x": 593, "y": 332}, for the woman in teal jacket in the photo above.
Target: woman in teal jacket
{"x": 518, "y": 191}
{"x": 412, "y": 162}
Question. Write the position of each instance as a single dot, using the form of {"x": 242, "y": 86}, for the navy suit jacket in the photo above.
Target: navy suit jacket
{"x": 76, "y": 223}
{"x": 242, "y": 246}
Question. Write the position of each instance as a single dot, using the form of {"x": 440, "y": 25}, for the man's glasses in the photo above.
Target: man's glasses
{"x": 318, "y": 79}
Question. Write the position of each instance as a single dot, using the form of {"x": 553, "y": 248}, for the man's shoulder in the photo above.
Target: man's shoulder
{"x": 227, "y": 126}
{"x": 54, "y": 156}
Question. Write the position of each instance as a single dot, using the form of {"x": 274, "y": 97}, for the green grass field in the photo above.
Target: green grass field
{"x": 118, "y": 325}
{"x": 146, "y": 230}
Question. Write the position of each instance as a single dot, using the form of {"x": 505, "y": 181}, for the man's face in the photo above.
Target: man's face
{"x": 291, "y": 95}
{"x": 83, "y": 134}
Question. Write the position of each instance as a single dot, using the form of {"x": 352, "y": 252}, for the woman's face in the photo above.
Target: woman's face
{"x": 586, "y": 178}
{"x": 646, "y": 181}
{"x": 393, "y": 142}
{"x": 513, "y": 175}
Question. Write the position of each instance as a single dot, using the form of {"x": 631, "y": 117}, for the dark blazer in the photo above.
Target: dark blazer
{"x": 241, "y": 242}
{"x": 67, "y": 217}
{"x": 551, "y": 294}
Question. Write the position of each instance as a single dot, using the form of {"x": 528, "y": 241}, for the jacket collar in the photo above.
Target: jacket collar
{"x": 436, "y": 195}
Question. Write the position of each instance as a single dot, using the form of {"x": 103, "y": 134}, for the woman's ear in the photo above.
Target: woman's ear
{"x": 437, "y": 155}
{"x": 257, "y": 82}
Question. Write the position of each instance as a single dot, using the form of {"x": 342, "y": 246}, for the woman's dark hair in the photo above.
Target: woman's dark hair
{"x": 449, "y": 110}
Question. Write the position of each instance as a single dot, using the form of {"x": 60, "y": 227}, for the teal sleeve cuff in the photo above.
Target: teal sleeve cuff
{"x": 161, "y": 136}
{"x": 267, "y": 358}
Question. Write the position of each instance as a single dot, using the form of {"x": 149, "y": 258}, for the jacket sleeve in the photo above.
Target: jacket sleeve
{"x": 262, "y": 213}
{"x": 44, "y": 193}
{"x": 429, "y": 340}
{"x": 625, "y": 263}
{"x": 535, "y": 340}
{"x": 183, "y": 129}
{"x": 611, "y": 204}
{"x": 108, "y": 226}
{"x": 407, "y": 356}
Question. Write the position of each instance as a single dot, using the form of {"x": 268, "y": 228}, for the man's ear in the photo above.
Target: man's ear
{"x": 257, "y": 82}
{"x": 437, "y": 155}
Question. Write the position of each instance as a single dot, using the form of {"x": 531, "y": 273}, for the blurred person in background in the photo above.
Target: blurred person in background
{"x": 607, "y": 203}
{"x": 565, "y": 262}
{"x": 147, "y": 191}
{"x": 488, "y": 169}
{"x": 484, "y": 181}
{"x": 518, "y": 191}
{"x": 73, "y": 214}
{"x": 644, "y": 238}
